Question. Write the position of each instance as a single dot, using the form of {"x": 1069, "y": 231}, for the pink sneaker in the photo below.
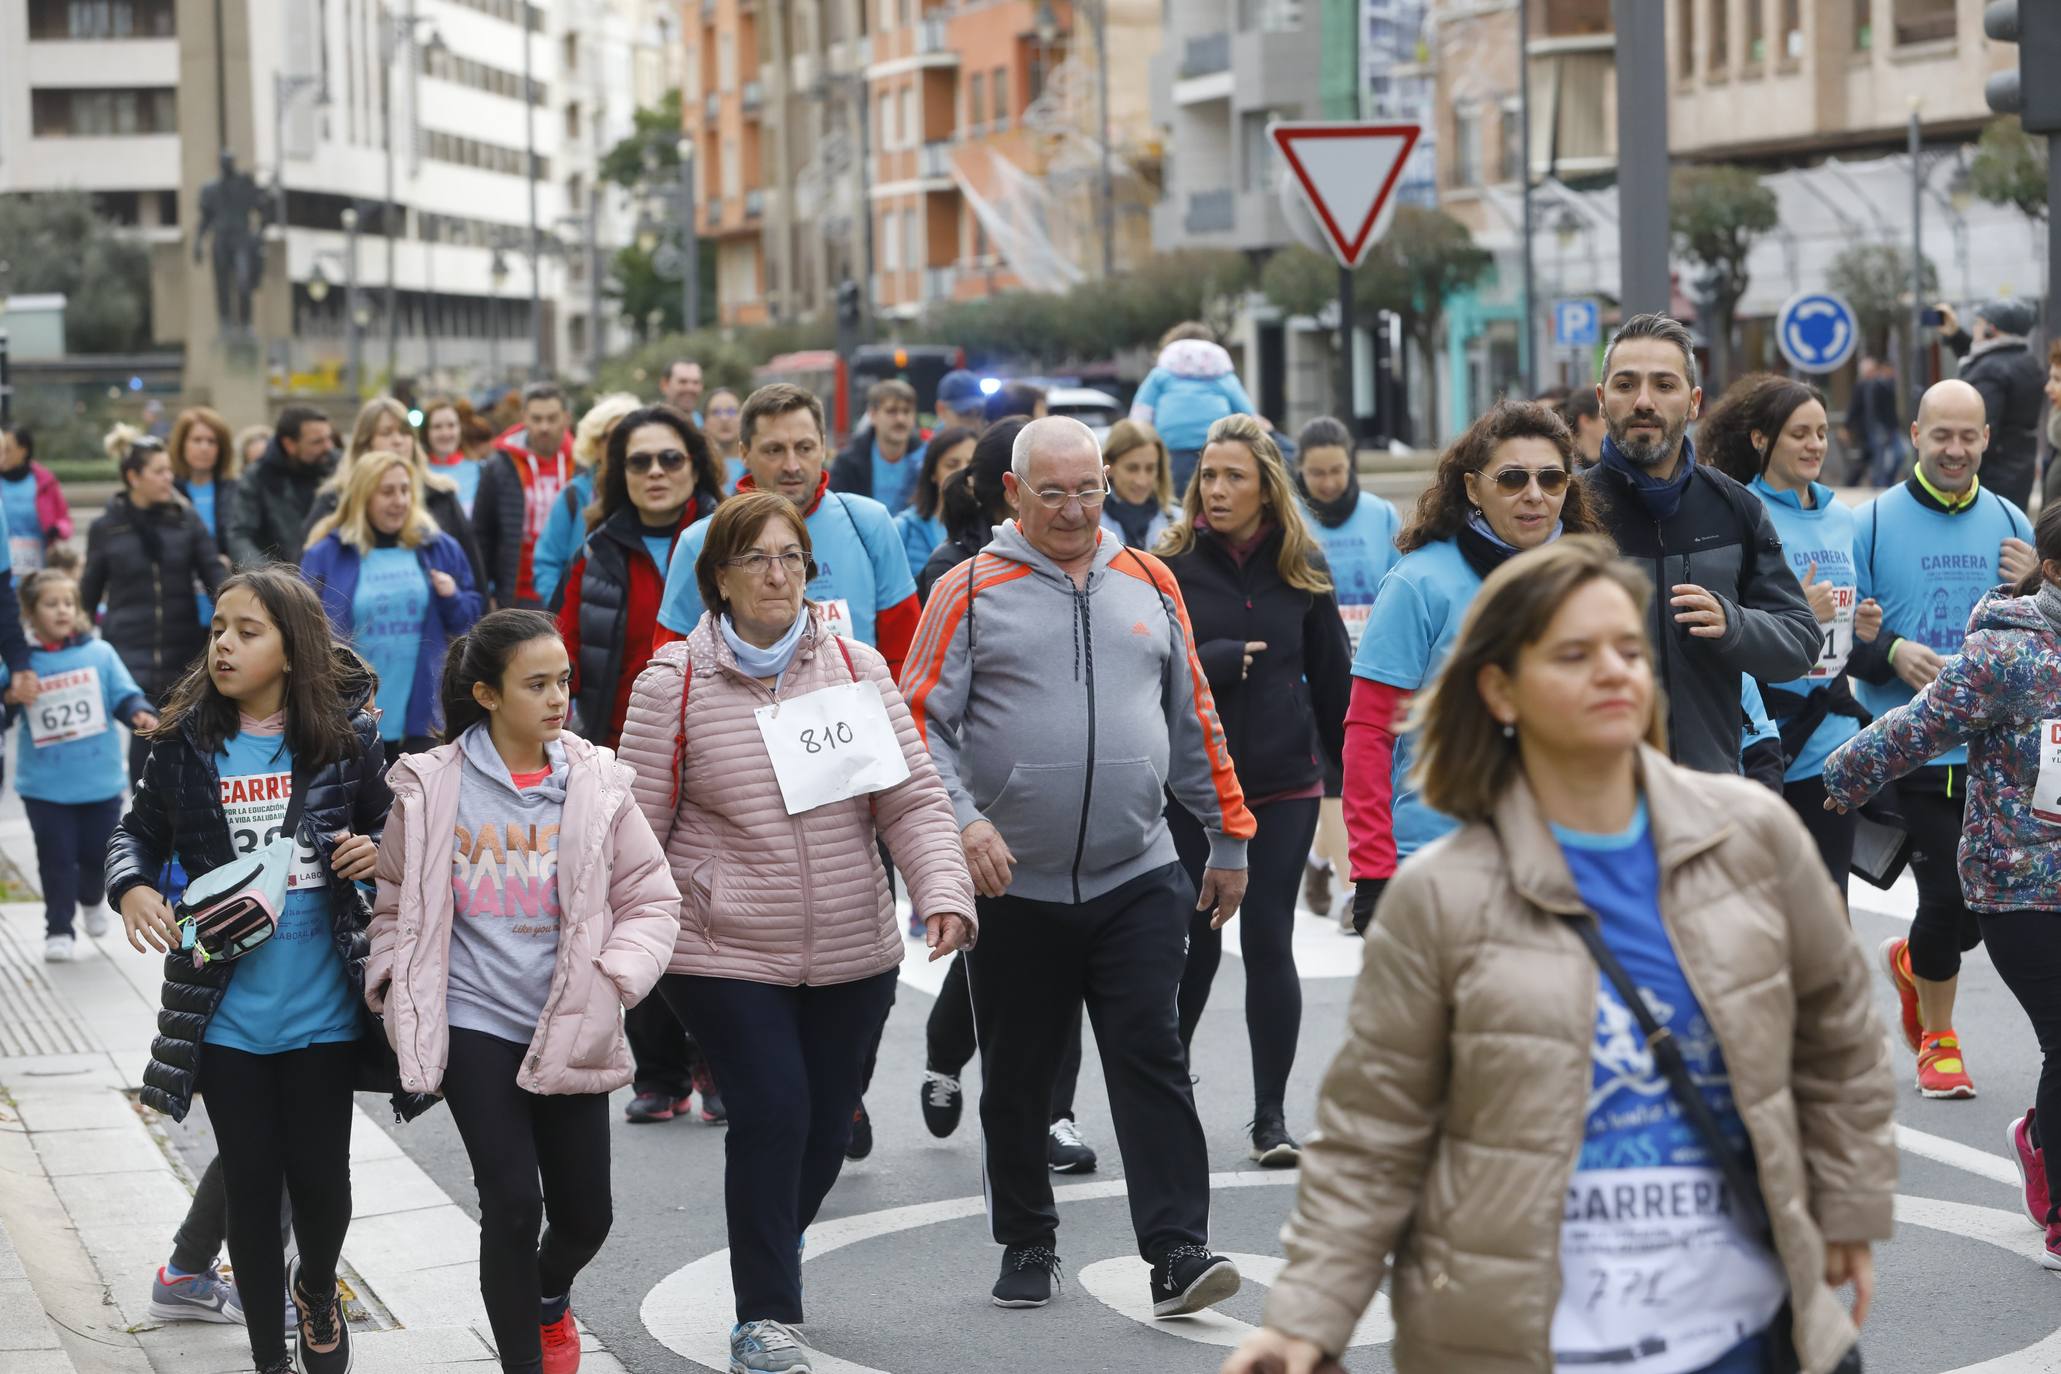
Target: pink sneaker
{"x": 2032, "y": 1169}
{"x": 2050, "y": 1257}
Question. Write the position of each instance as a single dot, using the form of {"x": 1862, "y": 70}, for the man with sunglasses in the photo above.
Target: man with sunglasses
{"x": 1726, "y": 601}
{"x": 1057, "y": 742}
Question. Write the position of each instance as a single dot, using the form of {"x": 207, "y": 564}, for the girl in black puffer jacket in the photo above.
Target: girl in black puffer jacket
{"x": 276, "y": 1040}
{"x": 148, "y": 556}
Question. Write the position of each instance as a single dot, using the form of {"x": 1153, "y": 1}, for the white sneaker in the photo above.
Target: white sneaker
{"x": 96, "y": 919}
{"x": 59, "y": 949}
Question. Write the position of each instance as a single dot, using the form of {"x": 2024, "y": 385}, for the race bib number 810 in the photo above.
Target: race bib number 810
{"x": 831, "y": 745}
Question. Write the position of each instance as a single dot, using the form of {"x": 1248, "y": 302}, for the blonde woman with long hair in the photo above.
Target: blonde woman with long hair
{"x": 396, "y": 588}
{"x": 1273, "y": 646}
{"x": 382, "y": 427}
{"x": 578, "y": 508}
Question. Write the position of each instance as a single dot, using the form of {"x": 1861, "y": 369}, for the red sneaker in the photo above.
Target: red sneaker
{"x": 2032, "y": 1169}
{"x": 2050, "y": 1255}
{"x": 1896, "y": 959}
{"x": 1941, "y": 1072}
{"x": 561, "y": 1342}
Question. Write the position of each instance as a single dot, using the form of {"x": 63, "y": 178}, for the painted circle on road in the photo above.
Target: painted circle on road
{"x": 691, "y": 1309}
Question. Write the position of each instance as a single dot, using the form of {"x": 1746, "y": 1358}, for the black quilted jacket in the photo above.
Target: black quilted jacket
{"x": 177, "y": 810}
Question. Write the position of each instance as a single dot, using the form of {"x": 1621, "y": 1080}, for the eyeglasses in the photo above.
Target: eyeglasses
{"x": 1056, "y": 500}
{"x": 722, "y": 412}
{"x": 759, "y": 564}
{"x": 1552, "y": 481}
{"x": 672, "y": 460}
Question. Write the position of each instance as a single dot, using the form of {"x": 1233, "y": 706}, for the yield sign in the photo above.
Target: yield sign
{"x": 1348, "y": 172}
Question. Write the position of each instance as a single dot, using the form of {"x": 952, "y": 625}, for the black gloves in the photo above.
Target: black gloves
{"x": 1366, "y": 896}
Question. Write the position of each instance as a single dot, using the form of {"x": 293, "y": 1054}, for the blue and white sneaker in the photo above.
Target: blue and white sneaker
{"x": 767, "y": 1347}
{"x": 202, "y": 1297}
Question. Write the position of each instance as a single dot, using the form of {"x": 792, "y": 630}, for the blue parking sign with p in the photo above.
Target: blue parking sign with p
{"x": 1576, "y": 324}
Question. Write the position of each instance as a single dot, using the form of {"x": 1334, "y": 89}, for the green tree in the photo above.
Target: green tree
{"x": 55, "y": 243}
{"x": 1875, "y": 278}
{"x": 1717, "y": 213}
{"x": 1299, "y": 280}
{"x": 1426, "y": 258}
{"x": 651, "y": 149}
{"x": 2010, "y": 168}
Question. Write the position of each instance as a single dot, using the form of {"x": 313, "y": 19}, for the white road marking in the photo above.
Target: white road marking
{"x": 1124, "y": 1284}
{"x": 1981, "y": 1163}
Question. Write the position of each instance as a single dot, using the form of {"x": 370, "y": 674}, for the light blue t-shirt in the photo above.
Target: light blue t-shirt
{"x": 1416, "y": 618}
{"x": 1360, "y": 551}
{"x": 465, "y": 472}
{"x": 388, "y": 615}
{"x": 290, "y": 992}
{"x": 1647, "y": 1211}
{"x": 920, "y": 536}
{"x": 1822, "y": 535}
{"x": 85, "y": 690}
{"x": 201, "y": 495}
{"x": 661, "y": 548}
{"x": 1928, "y": 569}
{"x": 733, "y": 473}
{"x": 18, "y": 498}
{"x": 895, "y": 483}
{"x": 859, "y": 561}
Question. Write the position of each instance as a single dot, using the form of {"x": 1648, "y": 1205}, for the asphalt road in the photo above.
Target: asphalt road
{"x": 900, "y": 1264}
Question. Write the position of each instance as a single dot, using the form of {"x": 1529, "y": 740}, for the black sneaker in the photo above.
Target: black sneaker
{"x": 1272, "y": 1146}
{"x": 649, "y": 1107}
{"x": 1188, "y": 1278}
{"x": 1065, "y": 1151}
{"x": 1029, "y": 1274}
{"x": 943, "y": 1100}
{"x": 861, "y": 1143}
{"x": 321, "y": 1338}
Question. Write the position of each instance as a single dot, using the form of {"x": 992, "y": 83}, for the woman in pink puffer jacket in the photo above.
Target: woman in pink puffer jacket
{"x": 789, "y": 948}
{"x": 503, "y": 974}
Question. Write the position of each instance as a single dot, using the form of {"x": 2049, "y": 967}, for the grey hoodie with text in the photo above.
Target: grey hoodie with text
{"x": 1063, "y": 715}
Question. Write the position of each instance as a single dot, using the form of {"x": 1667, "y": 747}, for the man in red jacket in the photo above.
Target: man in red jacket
{"x": 528, "y": 468}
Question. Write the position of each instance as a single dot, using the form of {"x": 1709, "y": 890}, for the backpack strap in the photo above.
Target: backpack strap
{"x": 680, "y": 735}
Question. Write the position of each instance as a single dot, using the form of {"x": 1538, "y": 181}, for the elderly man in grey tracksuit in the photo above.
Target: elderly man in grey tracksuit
{"x": 1054, "y": 680}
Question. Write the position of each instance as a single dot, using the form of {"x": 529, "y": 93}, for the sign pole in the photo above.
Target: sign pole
{"x": 1346, "y": 343}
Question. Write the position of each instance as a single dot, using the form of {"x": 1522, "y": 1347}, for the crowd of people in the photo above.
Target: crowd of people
{"x": 1585, "y": 745}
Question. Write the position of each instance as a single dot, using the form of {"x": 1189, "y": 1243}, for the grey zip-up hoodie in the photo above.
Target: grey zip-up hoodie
{"x": 1063, "y": 715}
{"x": 504, "y": 874}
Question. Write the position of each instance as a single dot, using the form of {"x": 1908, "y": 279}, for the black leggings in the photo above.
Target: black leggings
{"x": 1833, "y": 830}
{"x": 2026, "y": 948}
{"x": 533, "y": 1157}
{"x": 282, "y": 1117}
{"x": 1944, "y": 928}
{"x": 1266, "y": 937}
{"x": 199, "y": 1238}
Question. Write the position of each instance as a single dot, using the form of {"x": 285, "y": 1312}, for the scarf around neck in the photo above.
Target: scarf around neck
{"x": 2048, "y": 599}
{"x": 1661, "y": 499}
{"x": 771, "y": 661}
{"x": 1336, "y": 511}
{"x": 1484, "y": 549}
{"x": 1133, "y": 518}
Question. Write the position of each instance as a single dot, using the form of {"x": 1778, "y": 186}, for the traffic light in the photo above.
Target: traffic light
{"x": 2030, "y": 92}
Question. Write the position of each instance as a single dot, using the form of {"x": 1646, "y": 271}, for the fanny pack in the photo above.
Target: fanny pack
{"x": 1667, "y": 1057}
{"x": 231, "y": 910}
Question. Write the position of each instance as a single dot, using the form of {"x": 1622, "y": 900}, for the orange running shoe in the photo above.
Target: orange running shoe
{"x": 561, "y": 1342}
{"x": 1896, "y": 958}
{"x": 1940, "y": 1070}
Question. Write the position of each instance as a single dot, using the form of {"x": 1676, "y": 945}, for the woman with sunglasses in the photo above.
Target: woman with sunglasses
{"x": 1272, "y": 644}
{"x": 1505, "y": 486}
{"x": 657, "y": 477}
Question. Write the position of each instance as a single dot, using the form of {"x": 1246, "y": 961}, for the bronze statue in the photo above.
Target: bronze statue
{"x": 237, "y": 210}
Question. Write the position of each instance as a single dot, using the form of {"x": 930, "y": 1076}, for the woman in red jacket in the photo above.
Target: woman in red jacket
{"x": 659, "y": 476}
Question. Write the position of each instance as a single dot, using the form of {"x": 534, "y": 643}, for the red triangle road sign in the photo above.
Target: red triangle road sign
{"x": 1347, "y": 172}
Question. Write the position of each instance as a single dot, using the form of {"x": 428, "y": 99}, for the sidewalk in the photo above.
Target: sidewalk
{"x": 91, "y": 1187}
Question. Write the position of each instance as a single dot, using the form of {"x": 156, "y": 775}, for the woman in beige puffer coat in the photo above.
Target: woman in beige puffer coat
{"x": 1495, "y": 1119}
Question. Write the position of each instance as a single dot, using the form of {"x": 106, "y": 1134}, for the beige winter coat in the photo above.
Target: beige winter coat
{"x": 1450, "y": 1122}
{"x": 765, "y": 896}
{"x": 620, "y": 916}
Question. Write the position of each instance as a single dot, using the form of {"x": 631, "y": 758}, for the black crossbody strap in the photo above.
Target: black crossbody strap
{"x": 1667, "y": 1055}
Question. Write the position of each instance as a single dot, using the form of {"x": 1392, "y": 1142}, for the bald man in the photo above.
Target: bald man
{"x": 1928, "y": 550}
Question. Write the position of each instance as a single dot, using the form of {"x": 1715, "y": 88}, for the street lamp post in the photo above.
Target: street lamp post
{"x": 690, "y": 242}
{"x": 353, "y": 369}
{"x": 529, "y": 170}
{"x": 497, "y": 273}
{"x": 397, "y": 33}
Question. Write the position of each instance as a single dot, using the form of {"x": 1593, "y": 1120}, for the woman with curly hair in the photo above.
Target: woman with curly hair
{"x": 1504, "y": 486}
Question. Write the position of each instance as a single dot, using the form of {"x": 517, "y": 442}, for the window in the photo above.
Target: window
{"x": 1756, "y": 36}
{"x": 1792, "y": 30}
{"x": 912, "y": 132}
{"x": 1510, "y": 148}
{"x": 67, "y": 19}
{"x": 82, "y": 112}
{"x": 1721, "y": 38}
{"x": 444, "y": 65}
{"x": 887, "y": 119}
{"x": 1035, "y": 71}
{"x": 976, "y": 103}
{"x": 1685, "y": 39}
{"x": 911, "y": 241}
{"x": 1466, "y": 146}
{"x": 1924, "y": 21}
{"x": 890, "y": 241}
{"x": 572, "y": 120}
{"x": 998, "y": 87}
{"x": 1863, "y": 25}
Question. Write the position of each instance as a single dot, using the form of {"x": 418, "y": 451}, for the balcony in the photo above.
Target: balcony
{"x": 712, "y": 214}
{"x": 1211, "y": 212}
{"x": 754, "y": 204}
{"x": 931, "y": 40}
{"x": 708, "y": 11}
{"x": 710, "y": 105}
{"x": 754, "y": 96}
{"x": 934, "y": 162}
{"x": 1206, "y": 56}
{"x": 940, "y": 283}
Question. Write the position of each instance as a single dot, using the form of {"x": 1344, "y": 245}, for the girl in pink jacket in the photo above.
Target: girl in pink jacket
{"x": 503, "y": 975}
